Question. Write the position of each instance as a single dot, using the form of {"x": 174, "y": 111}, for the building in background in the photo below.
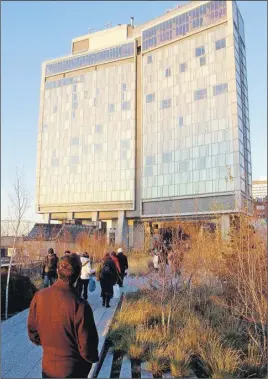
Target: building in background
{"x": 148, "y": 123}
{"x": 259, "y": 195}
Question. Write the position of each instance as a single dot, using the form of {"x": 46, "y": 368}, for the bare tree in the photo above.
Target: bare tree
{"x": 19, "y": 202}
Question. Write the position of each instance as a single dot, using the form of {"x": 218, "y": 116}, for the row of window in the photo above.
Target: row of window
{"x": 117, "y": 52}
{"x": 184, "y": 24}
{"x": 198, "y": 95}
{"x": 64, "y": 82}
{"x": 199, "y": 52}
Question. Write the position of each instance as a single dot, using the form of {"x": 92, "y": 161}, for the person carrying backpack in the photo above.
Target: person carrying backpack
{"x": 49, "y": 272}
{"x": 108, "y": 278}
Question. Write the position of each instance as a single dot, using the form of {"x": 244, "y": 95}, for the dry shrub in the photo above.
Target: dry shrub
{"x": 121, "y": 336}
{"x": 96, "y": 247}
{"x": 156, "y": 365}
{"x": 136, "y": 351}
{"x": 137, "y": 313}
{"x": 138, "y": 263}
{"x": 152, "y": 334}
{"x": 218, "y": 361}
{"x": 237, "y": 269}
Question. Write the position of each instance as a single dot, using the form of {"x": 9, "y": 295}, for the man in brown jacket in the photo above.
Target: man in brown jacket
{"x": 63, "y": 324}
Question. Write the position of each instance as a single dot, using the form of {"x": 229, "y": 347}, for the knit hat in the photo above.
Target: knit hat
{"x": 120, "y": 250}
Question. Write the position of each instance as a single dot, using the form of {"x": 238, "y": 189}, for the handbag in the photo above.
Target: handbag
{"x": 116, "y": 291}
{"x": 91, "y": 285}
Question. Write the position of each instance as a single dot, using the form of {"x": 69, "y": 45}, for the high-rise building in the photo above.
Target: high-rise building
{"x": 148, "y": 122}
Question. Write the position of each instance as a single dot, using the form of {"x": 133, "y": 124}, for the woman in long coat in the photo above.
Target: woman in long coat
{"x": 107, "y": 275}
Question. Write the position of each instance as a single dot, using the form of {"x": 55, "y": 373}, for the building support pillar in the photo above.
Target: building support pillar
{"x": 138, "y": 235}
{"x": 47, "y": 218}
{"x": 225, "y": 225}
{"x": 95, "y": 216}
{"x": 121, "y": 237}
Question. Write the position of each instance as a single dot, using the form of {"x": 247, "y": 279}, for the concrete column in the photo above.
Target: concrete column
{"x": 47, "y": 218}
{"x": 130, "y": 233}
{"x": 121, "y": 236}
{"x": 95, "y": 216}
{"x": 138, "y": 235}
{"x": 70, "y": 216}
{"x": 225, "y": 225}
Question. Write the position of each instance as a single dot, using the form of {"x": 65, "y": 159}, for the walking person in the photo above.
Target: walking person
{"x": 83, "y": 280}
{"x": 156, "y": 261}
{"x": 49, "y": 271}
{"x": 117, "y": 265}
{"x": 123, "y": 263}
{"x": 63, "y": 324}
{"x": 108, "y": 278}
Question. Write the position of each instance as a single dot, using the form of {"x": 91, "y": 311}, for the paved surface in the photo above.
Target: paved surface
{"x": 22, "y": 359}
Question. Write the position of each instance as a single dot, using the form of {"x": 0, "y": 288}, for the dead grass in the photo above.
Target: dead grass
{"x": 218, "y": 361}
{"x": 217, "y": 314}
{"x": 139, "y": 263}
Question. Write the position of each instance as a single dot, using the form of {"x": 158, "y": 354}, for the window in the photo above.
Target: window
{"x": 98, "y": 148}
{"x": 148, "y": 171}
{"x": 74, "y": 159}
{"x": 75, "y": 141}
{"x": 202, "y": 61}
{"x": 149, "y": 97}
{"x": 165, "y": 103}
{"x": 110, "y": 108}
{"x": 149, "y": 160}
{"x": 124, "y": 87}
{"x": 220, "y": 44}
{"x": 200, "y": 51}
{"x": 200, "y": 94}
{"x": 180, "y": 121}
{"x": 54, "y": 162}
{"x": 183, "y": 67}
{"x": 125, "y": 106}
{"x": 98, "y": 128}
{"x": 125, "y": 144}
{"x": 220, "y": 88}
{"x": 149, "y": 59}
{"x": 167, "y": 157}
{"x": 167, "y": 72}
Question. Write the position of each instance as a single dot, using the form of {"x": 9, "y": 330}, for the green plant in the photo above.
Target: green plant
{"x": 21, "y": 292}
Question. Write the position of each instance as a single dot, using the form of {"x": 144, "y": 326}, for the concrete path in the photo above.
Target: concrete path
{"x": 22, "y": 359}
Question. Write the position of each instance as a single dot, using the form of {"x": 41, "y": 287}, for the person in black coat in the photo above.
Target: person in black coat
{"x": 123, "y": 263}
{"x": 63, "y": 324}
{"x": 49, "y": 268}
{"x": 108, "y": 278}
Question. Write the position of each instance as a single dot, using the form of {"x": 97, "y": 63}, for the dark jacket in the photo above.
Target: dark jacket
{"x": 64, "y": 325}
{"x": 122, "y": 262}
{"x": 50, "y": 265}
{"x": 108, "y": 281}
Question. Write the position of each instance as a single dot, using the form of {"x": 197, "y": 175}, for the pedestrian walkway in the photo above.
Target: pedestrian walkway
{"x": 22, "y": 359}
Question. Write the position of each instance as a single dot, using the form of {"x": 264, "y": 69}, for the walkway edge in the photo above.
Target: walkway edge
{"x": 95, "y": 366}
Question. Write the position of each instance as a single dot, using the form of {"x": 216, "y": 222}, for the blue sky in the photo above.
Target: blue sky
{"x": 36, "y": 31}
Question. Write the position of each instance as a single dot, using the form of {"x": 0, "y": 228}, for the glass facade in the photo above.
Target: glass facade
{"x": 201, "y": 17}
{"x": 88, "y": 153}
{"x": 189, "y": 146}
{"x": 195, "y": 135}
{"x": 242, "y": 102}
{"x": 91, "y": 59}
